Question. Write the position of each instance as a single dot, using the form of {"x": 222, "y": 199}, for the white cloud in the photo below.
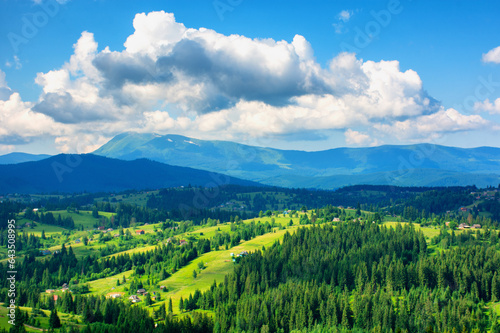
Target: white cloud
{"x": 356, "y": 138}
{"x": 431, "y": 127}
{"x": 197, "y": 82}
{"x": 492, "y": 56}
{"x": 493, "y": 108}
{"x": 155, "y": 34}
{"x": 19, "y": 124}
{"x": 343, "y": 17}
{"x": 16, "y": 63}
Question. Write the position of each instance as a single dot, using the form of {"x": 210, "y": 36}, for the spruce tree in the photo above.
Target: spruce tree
{"x": 54, "y": 321}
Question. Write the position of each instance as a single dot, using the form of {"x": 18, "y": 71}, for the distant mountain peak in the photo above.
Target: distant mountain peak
{"x": 402, "y": 165}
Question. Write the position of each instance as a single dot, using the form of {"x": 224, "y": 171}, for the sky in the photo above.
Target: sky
{"x": 305, "y": 75}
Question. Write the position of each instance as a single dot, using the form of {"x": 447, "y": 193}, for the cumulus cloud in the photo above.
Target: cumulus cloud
{"x": 19, "y": 124}
{"x": 492, "y": 56}
{"x": 430, "y": 127}
{"x": 197, "y": 82}
{"x": 355, "y": 138}
{"x": 493, "y": 108}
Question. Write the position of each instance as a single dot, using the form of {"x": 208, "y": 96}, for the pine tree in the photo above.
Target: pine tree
{"x": 181, "y": 304}
{"x": 54, "y": 321}
{"x": 170, "y": 307}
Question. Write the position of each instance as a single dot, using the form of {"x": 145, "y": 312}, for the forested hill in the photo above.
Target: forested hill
{"x": 359, "y": 276}
{"x": 91, "y": 173}
{"x": 405, "y": 165}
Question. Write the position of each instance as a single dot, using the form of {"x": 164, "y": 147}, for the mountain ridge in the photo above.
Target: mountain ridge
{"x": 72, "y": 173}
{"x": 295, "y": 168}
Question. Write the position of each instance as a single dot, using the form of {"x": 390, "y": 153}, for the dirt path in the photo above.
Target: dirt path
{"x": 34, "y": 328}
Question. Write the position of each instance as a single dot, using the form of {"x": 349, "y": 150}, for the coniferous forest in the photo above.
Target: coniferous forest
{"x": 334, "y": 269}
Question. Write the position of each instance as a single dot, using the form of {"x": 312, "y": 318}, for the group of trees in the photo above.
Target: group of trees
{"x": 34, "y": 276}
{"x": 358, "y": 276}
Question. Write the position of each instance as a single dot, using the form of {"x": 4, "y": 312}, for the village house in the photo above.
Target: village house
{"x": 139, "y": 232}
{"x": 134, "y": 299}
{"x": 336, "y": 219}
{"x": 45, "y": 252}
{"x": 77, "y": 241}
{"x": 141, "y": 291}
{"x": 476, "y": 226}
{"x": 115, "y": 295}
{"x": 100, "y": 228}
{"x": 463, "y": 226}
{"x": 49, "y": 291}
{"x": 182, "y": 242}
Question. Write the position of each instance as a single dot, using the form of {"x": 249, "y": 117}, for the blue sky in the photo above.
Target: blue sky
{"x": 287, "y": 74}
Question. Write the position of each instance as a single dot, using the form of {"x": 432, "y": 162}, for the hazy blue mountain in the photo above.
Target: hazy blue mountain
{"x": 14, "y": 158}
{"x": 92, "y": 173}
{"x": 421, "y": 164}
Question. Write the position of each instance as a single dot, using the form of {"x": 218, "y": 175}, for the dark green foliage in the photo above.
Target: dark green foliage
{"x": 356, "y": 277}
{"x": 54, "y": 321}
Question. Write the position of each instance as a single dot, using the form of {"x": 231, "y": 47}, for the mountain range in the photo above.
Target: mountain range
{"x": 91, "y": 173}
{"x": 405, "y": 165}
{"x": 147, "y": 160}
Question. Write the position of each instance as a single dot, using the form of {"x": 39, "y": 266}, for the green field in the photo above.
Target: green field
{"x": 217, "y": 265}
{"x": 44, "y": 321}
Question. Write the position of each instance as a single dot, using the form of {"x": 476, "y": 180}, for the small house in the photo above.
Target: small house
{"x": 134, "y": 299}
{"x": 45, "y": 252}
{"x": 141, "y": 291}
{"x": 77, "y": 241}
{"x": 49, "y": 291}
{"x": 182, "y": 242}
{"x": 139, "y": 232}
{"x": 476, "y": 226}
{"x": 336, "y": 219}
{"x": 100, "y": 228}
